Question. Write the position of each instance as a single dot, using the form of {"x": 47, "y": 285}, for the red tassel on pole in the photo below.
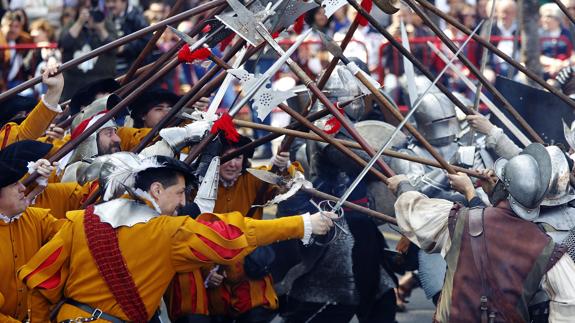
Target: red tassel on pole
{"x": 298, "y": 25}
{"x": 365, "y": 4}
{"x": 225, "y": 124}
{"x": 200, "y": 54}
{"x": 226, "y": 42}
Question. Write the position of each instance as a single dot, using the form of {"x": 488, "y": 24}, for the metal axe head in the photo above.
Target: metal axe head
{"x": 331, "y": 6}
{"x": 264, "y": 99}
{"x": 387, "y": 6}
{"x": 244, "y": 21}
{"x": 289, "y": 11}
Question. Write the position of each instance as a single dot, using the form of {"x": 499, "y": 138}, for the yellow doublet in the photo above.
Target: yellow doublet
{"x": 153, "y": 253}
{"x": 33, "y": 127}
{"x": 131, "y": 137}
{"x": 19, "y": 241}
{"x": 63, "y": 197}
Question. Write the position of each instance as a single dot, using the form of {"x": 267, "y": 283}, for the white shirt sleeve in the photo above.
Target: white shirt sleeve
{"x": 423, "y": 220}
{"x": 54, "y": 107}
{"x": 307, "y": 228}
{"x": 559, "y": 283}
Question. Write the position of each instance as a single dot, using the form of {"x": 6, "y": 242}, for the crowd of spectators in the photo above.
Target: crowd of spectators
{"x": 34, "y": 32}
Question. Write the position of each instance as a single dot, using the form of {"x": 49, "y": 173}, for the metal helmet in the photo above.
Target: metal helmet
{"x": 526, "y": 178}
{"x": 343, "y": 86}
{"x": 89, "y": 147}
{"x": 560, "y": 190}
{"x": 376, "y": 133}
{"x": 436, "y": 117}
{"x": 102, "y": 104}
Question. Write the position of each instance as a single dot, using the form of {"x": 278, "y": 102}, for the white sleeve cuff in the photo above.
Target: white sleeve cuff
{"x": 307, "y": 229}
{"x": 56, "y": 108}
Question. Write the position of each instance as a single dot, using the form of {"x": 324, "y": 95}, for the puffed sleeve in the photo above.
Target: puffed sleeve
{"x": 33, "y": 127}
{"x": 63, "y": 197}
{"x": 559, "y": 283}
{"x": 226, "y": 238}
{"x": 498, "y": 141}
{"x": 423, "y": 221}
{"x": 48, "y": 269}
{"x": 131, "y": 137}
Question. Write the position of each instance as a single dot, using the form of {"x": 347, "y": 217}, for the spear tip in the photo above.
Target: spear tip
{"x": 331, "y": 45}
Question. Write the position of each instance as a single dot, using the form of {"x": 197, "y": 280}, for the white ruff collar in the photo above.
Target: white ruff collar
{"x": 9, "y": 220}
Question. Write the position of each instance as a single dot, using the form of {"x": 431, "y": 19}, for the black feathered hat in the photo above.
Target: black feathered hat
{"x": 15, "y": 157}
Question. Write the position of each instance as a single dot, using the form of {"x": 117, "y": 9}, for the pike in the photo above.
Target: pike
{"x": 368, "y": 82}
{"x": 420, "y": 66}
{"x": 453, "y": 48}
{"x": 352, "y": 144}
{"x": 498, "y": 52}
{"x": 114, "y": 44}
{"x": 323, "y": 99}
{"x": 152, "y": 42}
{"x": 271, "y": 178}
{"x": 305, "y": 122}
{"x": 70, "y": 145}
{"x": 364, "y": 171}
{"x": 487, "y": 35}
{"x": 492, "y": 107}
{"x": 206, "y": 83}
{"x": 287, "y": 141}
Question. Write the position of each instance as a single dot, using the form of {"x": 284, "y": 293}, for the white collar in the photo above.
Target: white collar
{"x": 9, "y": 220}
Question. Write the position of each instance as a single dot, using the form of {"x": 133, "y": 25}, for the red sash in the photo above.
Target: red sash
{"x": 105, "y": 249}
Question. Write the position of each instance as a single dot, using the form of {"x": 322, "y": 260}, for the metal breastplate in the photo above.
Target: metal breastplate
{"x": 124, "y": 212}
{"x": 557, "y": 221}
{"x": 332, "y": 278}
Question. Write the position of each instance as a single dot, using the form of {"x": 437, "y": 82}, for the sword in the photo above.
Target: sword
{"x": 364, "y": 171}
{"x": 408, "y": 66}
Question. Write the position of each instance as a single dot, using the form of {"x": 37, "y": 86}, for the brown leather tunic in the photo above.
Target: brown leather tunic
{"x": 516, "y": 256}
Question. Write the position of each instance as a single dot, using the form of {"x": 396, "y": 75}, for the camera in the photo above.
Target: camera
{"x": 97, "y": 14}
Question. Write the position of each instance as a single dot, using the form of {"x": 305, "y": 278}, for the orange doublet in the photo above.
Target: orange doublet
{"x": 19, "y": 241}
{"x": 64, "y": 267}
{"x": 33, "y": 127}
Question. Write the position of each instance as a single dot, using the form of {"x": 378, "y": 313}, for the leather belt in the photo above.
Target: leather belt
{"x": 95, "y": 312}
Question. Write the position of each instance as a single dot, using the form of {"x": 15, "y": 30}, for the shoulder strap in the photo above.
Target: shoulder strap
{"x": 105, "y": 249}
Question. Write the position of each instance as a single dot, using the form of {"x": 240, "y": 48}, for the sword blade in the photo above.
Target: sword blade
{"x": 408, "y": 66}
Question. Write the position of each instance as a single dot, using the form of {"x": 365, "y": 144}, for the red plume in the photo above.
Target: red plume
{"x": 226, "y": 42}
{"x": 365, "y": 4}
{"x": 226, "y": 125}
{"x": 298, "y": 25}
{"x": 200, "y": 54}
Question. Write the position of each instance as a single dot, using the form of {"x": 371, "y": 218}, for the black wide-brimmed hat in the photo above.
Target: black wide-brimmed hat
{"x": 15, "y": 157}
{"x": 87, "y": 94}
{"x": 147, "y": 100}
{"x": 176, "y": 165}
